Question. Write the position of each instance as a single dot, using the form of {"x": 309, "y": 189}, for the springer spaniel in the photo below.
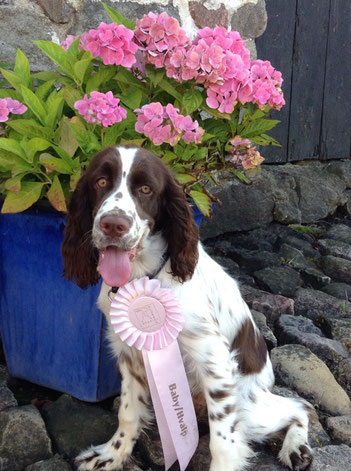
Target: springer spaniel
{"x": 129, "y": 206}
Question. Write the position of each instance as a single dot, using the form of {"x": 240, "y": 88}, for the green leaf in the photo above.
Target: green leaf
{"x": 167, "y": 87}
{"x": 34, "y": 145}
{"x": 12, "y": 162}
{"x": 24, "y": 199}
{"x": 265, "y": 140}
{"x": 189, "y": 151}
{"x": 87, "y": 141}
{"x": 132, "y": 98}
{"x": 67, "y": 140}
{"x": 125, "y": 76}
{"x": 30, "y": 128}
{"x": 257, "y": 127}
{"x": 155, "y": 75}
{"x": 112, "y": 133}
{"x": 184, "y": 178}
{"x": 73, "y": 49}
{"x": 22, "y": 68}
{"x": 14, "y": 184}
{"x": 13, "y": 146}
{"x": 44, "y": 89}
{"x": 13, "y": 79}
{"x": 58, "y": 55}
{"x": 75, "y": 178}
{"x": 56, "y": 196}
{"x": 71, "y": 96}
{"x": 192, "y": 100}
{"x": 98, "y": 78}
{"x": 53, "y": 164}
{"x": 202, "y": 201}
{"x": 34, "y": 104}
{"x": 168, "y": 157}
{"x": 215, "y": 113}
{"x": 218, "y": 128}
{"x": 240, "y": 176}
{"x": 80, "y": 68}
{"x": 117, "y": 17}
{"x": 133, "y": 142}
{"x": 55, "y": 112}
{"x": 45, "y": 76}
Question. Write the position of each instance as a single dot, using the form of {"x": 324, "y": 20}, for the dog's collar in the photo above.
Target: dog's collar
{"x": 164, "y": 258}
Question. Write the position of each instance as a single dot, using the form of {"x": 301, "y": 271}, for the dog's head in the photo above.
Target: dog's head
{"x": 125, "y": 195}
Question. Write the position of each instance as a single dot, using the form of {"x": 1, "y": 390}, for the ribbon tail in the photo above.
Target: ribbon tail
{"x": 175, "y": 401}
{"x": 169, "y": 451}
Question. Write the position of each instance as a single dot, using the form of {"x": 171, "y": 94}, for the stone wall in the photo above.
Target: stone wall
{"x": 22, "y": 21}
{"x": 301, "y": 193}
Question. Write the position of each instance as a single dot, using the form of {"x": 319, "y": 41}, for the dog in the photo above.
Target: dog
{"x": 128, "y": 205}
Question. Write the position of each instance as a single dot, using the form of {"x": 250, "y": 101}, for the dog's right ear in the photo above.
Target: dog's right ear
{"x": 80, "y": 258}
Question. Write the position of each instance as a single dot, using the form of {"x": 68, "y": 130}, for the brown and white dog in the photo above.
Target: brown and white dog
{"x": 129, "y": 205}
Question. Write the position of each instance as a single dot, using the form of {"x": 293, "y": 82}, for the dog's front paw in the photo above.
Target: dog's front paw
{"x": 101, "y": 458}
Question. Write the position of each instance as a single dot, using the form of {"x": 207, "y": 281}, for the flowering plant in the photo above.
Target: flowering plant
{"x": 200, "y": 104}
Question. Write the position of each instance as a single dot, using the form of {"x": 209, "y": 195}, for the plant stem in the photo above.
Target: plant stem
{"x": 102, "y": 136}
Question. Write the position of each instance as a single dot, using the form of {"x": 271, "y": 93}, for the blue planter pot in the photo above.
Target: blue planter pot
{"x": 52, "y": 332}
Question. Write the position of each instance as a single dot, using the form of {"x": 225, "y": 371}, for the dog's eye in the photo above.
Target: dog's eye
{"x": 101, "y": 183}
{"x": 145, "y": 189}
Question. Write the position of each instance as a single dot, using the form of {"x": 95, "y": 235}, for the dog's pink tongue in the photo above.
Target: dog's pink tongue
{"x": 114, "y": 266}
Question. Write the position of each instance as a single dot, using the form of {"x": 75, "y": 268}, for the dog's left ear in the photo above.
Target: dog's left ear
{"x": 80, "y": 258}
{"x": 180, "y": 231}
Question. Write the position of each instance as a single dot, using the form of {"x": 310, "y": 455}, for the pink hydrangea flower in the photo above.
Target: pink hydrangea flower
{"x": 244, "y": 154}
{"x": 65, "y": 44}
{"x": 4, "y": 111}
{"x": 266, "y": 85}
{"x": 101, "y": 108}
{"x": 216, "y": 55}
{"x": 8, "y": 105}
{"x": 113, "y": 43}
{"x": 159, "y": 36}
{"x": 163, "y": 124}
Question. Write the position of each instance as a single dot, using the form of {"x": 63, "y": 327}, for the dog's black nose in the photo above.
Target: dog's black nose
{"x": 114, "y": 226}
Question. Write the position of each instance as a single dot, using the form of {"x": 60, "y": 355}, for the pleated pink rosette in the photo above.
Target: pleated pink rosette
{"x": 148, "y": 317}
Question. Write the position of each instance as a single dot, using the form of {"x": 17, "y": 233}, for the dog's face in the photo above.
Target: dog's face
{"x": 127, "y": 186}
{"x": 126, "y": 194}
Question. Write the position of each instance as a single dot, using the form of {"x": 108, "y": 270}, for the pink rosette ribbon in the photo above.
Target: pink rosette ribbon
{"x": 148, "y": 317}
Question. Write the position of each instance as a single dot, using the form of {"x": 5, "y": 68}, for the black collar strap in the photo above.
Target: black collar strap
{"x": 164, "y": 259}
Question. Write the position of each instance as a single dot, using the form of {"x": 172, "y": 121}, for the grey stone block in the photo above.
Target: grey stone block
{"x": 331, "y": 458}
{"x": 23, "y": 438}
{"x": 298, "y": 368}
{"x": 74, "y": 425}
{"x": 278, "y": 280}
{"x": 54, "y": 464}
{"x": 250, "y": 19}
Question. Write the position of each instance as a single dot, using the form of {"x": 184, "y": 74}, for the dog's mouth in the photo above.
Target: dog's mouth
{"x": 115, "y": 265}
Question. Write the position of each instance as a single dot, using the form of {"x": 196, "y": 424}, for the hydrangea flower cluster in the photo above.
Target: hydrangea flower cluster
{"x": 244, "y": 154}
{"x": 163, "y": 124}
{"x": 216, "y": 55}
{"x": 101, "y": 108}
{"x": 8, "y": 105}
{"x": 159, "y": 36}
{"x": 113, "y": 43}
{"x": 267, "y": 83}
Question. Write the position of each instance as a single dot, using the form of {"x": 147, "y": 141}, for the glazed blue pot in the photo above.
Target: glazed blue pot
{"x": 52, "y": 332}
